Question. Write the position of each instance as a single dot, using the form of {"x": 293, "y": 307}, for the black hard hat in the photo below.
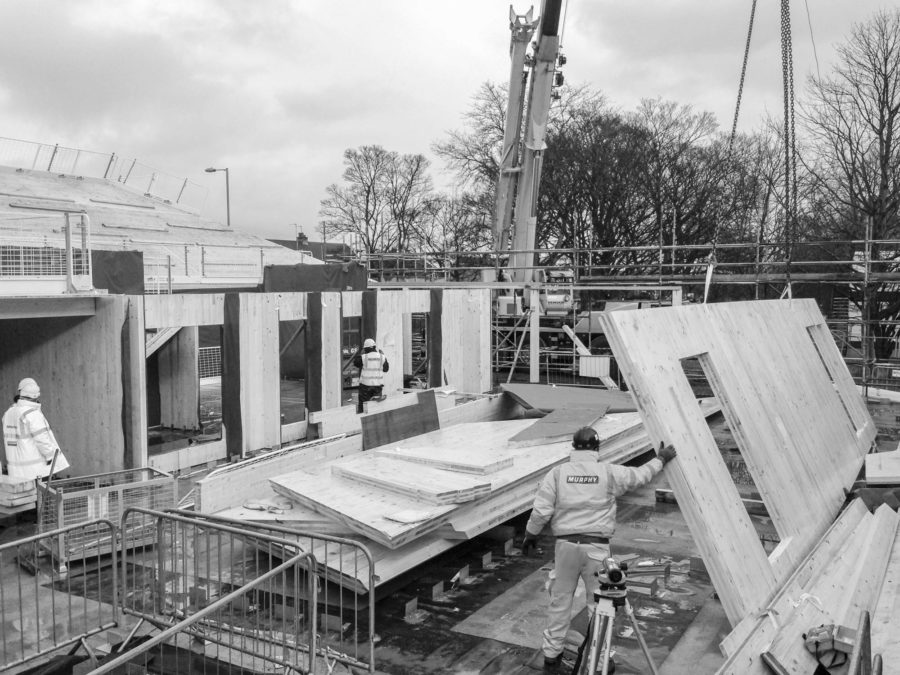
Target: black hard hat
{"x": 586, "y": 438}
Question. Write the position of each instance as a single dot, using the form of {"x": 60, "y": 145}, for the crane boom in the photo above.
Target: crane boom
{"x": 522, "y": 28}
{"x": 525, "y": 180}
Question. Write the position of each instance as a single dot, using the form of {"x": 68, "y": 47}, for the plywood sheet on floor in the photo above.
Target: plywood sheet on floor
{"x": 396, "y": 425}
{"x": 547, "y": 397}
{"x": 558, "y": 425}
{"x": 792, "y": 406}
{"x": 516, "y": 617}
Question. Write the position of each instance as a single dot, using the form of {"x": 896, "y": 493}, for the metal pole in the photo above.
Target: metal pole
{"x": 69, "y": 280}
{"x": 112, "y": 158}
{"x": 52, "y": 157}
{"x": 181, "y": 191}
{"x": 227, "y": 200}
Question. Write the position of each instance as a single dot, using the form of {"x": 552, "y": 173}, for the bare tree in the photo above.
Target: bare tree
{"x": 852, "y": 119}
{"x": 382, "y": 198}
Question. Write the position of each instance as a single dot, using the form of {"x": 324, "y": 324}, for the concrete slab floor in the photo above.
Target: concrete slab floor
{"x": 494, "y": 623}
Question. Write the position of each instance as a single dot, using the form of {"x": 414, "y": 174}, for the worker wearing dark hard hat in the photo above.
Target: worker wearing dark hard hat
{"x": 578, "y": 500}
{"x": 373, "y": 365}
{"x": 28, "y": 443}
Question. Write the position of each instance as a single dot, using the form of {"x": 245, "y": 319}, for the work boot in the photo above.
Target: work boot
{"x": 553, "y": 665}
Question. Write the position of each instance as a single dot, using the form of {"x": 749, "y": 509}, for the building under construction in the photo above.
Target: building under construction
{"x": 226, "y": 509}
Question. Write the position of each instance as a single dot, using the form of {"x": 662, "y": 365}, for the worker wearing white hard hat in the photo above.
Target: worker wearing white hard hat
{"x": 373, "y": 364}
{"x": 29, "y": 445}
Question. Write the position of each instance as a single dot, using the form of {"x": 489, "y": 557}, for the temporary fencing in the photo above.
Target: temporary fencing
{"x": 190, "y": 591}
{"x": 346, "y": 573}
{"x": 55, "y": 606}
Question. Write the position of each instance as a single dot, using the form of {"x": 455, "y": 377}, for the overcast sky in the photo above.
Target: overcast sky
{"x": 276, "y": 90}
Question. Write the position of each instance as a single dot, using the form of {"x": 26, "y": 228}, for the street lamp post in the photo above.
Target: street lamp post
{"x": 227, "y": 194}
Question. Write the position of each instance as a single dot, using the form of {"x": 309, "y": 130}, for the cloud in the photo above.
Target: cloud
{"x": 277, "y": 89}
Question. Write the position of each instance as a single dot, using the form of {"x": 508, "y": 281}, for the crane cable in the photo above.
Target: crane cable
{"x": 790, "y": 145}
{"x": 737, "y": 111}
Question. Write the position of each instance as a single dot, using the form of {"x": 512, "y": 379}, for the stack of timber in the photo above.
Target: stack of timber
{"x": 803, "y": 430}
{"x": 395, "y": 498}
{"x": 16, "y": 495}
{"x": 853, "y": 569}
{"x": 473, "y": 446}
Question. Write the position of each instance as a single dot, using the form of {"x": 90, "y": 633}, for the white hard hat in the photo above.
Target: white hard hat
{"x": 368, "y": 343}
{"x": 29, "y": 388}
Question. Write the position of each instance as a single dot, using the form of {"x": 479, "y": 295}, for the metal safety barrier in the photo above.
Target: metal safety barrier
{"x": 199, "y": 594}
{"x": 57, "y": 263}
{"x": 221, "y": 597}
{"x": 346, "y": 572}
{"x": 55, "y": 605}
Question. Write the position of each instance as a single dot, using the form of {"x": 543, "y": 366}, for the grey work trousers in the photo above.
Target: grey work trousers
{"x": 571, "y": 561}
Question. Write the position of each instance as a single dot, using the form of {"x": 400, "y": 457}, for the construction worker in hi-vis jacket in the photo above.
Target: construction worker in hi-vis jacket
{"x": 373, "y": 364}
{"x": 28, "y": 443}
{"x": 578, "y": 500}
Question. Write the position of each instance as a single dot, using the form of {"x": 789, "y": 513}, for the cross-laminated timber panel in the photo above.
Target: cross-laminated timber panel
{"x": 464, "y": 340}
{"x": 800, "y": 424}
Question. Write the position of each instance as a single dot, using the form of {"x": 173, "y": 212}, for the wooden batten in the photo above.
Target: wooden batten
{"x": 801, "y": 426}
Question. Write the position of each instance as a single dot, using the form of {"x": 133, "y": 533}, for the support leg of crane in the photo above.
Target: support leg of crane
{"x": 512, "y": 368}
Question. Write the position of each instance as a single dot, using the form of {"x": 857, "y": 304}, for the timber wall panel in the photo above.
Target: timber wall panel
{"x": 252, "y": 323}
{"x": 332, "y": 359}
{"x": 794, "y": 431}
{"x": 78, "y": 363}
{"x": 184, "y": 309}
{"x": 134, "y": 384}
{"x": 389, "y": 337}
{"x": 351, "y": 303}
{"x": 179, "y": 380}
{"x": 465, "y": 328}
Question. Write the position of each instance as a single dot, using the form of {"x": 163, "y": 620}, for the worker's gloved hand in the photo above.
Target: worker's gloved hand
{"x": 666, "y": 453}
{"x": 529, "y": 543}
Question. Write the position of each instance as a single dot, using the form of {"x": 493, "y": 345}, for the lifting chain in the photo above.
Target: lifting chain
{"x": 711, "y": 261}
{"x": 790, "y": 147}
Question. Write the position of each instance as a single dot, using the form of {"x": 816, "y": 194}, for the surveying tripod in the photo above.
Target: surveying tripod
{"x": 596, "y": 649}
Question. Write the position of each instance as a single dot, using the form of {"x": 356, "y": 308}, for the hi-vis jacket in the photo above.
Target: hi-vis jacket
{"x": 372, "y": 373}
{"x": 28, "y": 442}
{"x": 579, "y": 497}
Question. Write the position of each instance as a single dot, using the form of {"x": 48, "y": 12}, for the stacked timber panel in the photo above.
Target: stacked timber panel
{"x": 475, "y": 453}
{"x": 801, "y": 426}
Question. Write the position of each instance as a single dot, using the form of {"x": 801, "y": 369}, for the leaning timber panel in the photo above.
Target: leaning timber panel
{"x": 791, "y": 406}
